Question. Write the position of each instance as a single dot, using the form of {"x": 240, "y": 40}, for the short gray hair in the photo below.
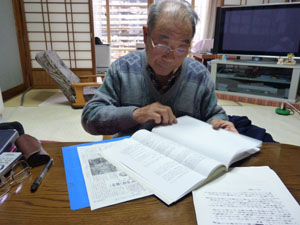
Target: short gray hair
{"x": 180, "y": 9}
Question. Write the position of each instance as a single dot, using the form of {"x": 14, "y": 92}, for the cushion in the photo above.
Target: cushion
{"x": 61, "y": 74}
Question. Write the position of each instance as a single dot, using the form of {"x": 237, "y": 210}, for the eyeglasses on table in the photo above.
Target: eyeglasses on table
{"x": 20, "y": 171}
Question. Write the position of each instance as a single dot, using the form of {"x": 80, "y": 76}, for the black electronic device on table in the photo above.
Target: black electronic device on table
{"x": 7, "y": 139}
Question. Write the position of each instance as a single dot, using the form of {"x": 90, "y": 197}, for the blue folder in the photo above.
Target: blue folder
{"x": 76, "y": 187}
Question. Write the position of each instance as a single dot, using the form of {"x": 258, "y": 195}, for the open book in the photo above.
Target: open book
{"x": 173, "y": 160}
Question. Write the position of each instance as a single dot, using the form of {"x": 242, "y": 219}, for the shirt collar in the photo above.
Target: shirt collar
{"x": 163, "y": 88}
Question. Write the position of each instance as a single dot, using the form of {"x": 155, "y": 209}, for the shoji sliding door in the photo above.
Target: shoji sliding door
{"x": 65, "y": 26}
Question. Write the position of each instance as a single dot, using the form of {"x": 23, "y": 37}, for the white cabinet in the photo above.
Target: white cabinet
{"x": 102, "y": 58}
{"x": 266, "y": 79}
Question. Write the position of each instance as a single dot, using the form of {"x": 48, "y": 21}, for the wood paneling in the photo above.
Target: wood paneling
{"x": 13, "y": 92}
{"x": 42, "y": 80}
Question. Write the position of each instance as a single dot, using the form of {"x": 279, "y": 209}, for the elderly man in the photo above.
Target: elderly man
{"x": 156, "y": 85}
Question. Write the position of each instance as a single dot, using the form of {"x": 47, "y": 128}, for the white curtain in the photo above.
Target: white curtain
{"x": 206, "y": 10}
{"x": 99, "y": 19}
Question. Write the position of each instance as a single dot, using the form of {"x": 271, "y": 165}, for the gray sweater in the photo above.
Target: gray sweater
{"x": 128, "y": 86}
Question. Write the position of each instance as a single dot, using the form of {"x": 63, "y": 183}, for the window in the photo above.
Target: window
{"x": 120, "y": 23}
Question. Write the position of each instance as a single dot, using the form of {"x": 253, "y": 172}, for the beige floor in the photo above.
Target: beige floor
{"x": 47, "y": 115}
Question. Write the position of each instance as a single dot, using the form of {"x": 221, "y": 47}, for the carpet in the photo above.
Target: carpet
{"x": 51, "y": 123}
{"x": 56, "y": 99}
{"x": 31, "y": 98}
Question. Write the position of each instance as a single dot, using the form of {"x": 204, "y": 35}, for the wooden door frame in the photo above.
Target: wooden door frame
{"x": 22, "y": 40}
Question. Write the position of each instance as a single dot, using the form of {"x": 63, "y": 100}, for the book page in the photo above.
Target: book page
{"x": 105, "y": 184}
{"x": 166, "y": 178}
{"x": 187, "y": 157}
{"x": 246, "y": 196}
{"x": 222, "y": 145}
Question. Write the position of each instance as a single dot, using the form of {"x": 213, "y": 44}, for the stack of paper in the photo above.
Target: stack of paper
{"x": 246, "y": 196}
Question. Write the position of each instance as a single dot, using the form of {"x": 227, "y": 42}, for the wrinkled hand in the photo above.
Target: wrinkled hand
{"x": 156, "y": 112}
{"x": 217, "y": 123}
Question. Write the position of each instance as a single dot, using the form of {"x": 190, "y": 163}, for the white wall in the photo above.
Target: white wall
{"x": 10, "y": 65}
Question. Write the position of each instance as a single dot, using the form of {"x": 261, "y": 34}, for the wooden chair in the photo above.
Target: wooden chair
{"x": 77, "y": 90}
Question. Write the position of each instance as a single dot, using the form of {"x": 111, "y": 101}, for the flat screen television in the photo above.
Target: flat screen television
{"x": 270, "y": 30}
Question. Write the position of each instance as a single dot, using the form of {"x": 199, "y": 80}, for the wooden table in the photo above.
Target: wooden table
{"x": 50, "y": 203}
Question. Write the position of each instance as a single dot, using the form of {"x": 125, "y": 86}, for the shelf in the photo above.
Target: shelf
{"x": 255, "y": 95}
{"x": 255, "y": 63}
{"x": 259, "y": 79}
{"x": 259, "y": 93}
{"x": 266, "y": 81}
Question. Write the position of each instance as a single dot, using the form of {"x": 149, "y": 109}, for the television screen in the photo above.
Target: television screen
{"x": 264, "y": 30}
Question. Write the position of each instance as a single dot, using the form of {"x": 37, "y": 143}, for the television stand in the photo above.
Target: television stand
{"x": 257, "y": 58}
{"x": 266, "y": 80}
{"x": 254, "y": 61}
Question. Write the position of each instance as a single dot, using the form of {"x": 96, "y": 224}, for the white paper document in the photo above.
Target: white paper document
{"x": 246, "y": 196}
{"x": 105, "y": 184}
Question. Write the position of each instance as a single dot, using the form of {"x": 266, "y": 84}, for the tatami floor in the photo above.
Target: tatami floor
{"x": 47, "y": 115}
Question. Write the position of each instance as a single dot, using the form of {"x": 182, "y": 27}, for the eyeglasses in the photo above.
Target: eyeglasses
{"x": 19, "y": 172}
{"x": 164, "y": 49}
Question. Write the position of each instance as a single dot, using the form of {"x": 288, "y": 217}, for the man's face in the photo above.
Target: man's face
{"x": 169, "y": 33}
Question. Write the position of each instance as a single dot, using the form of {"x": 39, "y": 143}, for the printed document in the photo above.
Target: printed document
{"x": 105, "y": 184}
{"x": 246, "y": 196}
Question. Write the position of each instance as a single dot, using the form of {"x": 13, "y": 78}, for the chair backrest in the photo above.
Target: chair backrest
{"x": 59, "y": 72}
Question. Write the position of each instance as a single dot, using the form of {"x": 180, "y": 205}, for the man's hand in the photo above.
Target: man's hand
{"x": 156, "y": 112}
{"x": 217, "y": 123}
